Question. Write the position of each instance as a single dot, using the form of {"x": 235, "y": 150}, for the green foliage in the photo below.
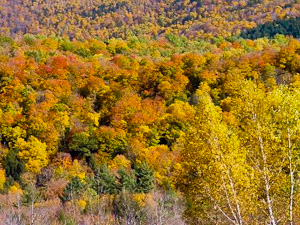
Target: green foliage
{"x": 289, "y": 26}
{"x": 83, "y": 144}
{"x": 29, "y": 39}
{"x": 67, "y": 46}
{"x": 140, "y": 180}
{"x": 93, "y": 163}
{"x": 177, "y": 41}
{"x": 30, "y": 195}
{"x": 127, "y": 209}
{"x": 112, "y": 143}
{"x": 13, "y": 165}
{"x": 83, "y": 52}
{"x": 37, "y": 55}
{"x": 104, "y": 181}
{"x": 6, "y": 40}
{"x": 127, "y": 181}
{"x": 144, "y": 177}
{"x": 64, "y": 218}
{"x": 73, "y": 190}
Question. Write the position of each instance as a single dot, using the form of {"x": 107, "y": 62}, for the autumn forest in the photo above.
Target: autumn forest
{"x": 149, "y": 112}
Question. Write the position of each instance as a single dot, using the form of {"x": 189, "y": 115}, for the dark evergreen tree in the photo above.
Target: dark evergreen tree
{"x": 145, "y": 177}
{"x": 13, "y": 166}
{"x": 127, "y": 181}
{"x": 104, "y": 181}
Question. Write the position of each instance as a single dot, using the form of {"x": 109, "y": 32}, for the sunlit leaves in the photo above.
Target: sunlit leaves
{"x": 33, "y": 152}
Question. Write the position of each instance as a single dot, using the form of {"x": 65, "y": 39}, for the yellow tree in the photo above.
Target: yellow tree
{"x": 2, "y": 178}
{"x": 33, "y": 152}
{"x": 214, "y": 175}
{"x": 285, "y": 108}
{"x": 259, "y": 133}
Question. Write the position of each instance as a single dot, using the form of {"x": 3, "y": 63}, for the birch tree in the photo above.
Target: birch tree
{"x": 285, "y": 109}
{"x": 215, "y": 178}
{"x": 260, "y": 130}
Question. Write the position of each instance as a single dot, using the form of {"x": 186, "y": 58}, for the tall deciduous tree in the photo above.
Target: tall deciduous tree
{"x": 285, "y": 110}
{"x": 215, "y": 178}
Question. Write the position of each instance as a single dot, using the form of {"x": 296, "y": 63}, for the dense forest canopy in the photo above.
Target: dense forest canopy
{"x": 120, "y": 19}
{"x": 128, "y": 115}
{"x": 149, "y": 112}
{"x": 270, "y": 29}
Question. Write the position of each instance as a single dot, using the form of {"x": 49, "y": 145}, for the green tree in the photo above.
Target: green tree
{"x": 144, "y": 177}
{"x": 83, "y": 144}
{"x": 127, "y": 180}
{"x": 104, "y": 181}
{"x": 13, "y": 165}
{"x": 73, "y": 190}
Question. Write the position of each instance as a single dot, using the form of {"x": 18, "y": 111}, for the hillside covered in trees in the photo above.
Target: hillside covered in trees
{"x": 93, "y": 127}
{"x": 122, "y": 19}
{"x": 149, "y": 112}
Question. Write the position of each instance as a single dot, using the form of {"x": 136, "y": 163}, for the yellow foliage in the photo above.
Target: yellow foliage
{"x": 160, "y": 158}
{"x": 102, "y": 157}
{"x": 59, "y": 172}
{"x": 33, "y": 152}
{"x": 77, "y": 170}
{"x": 140, "y": 198}
{"x": 182, "y": 111}
{"x": 15, "y": 189}
{"x": 82, "y": 204}
{"x": 118, "y": 162}
{"x": 2, "y": 178}
{"x": 296, "y": 81}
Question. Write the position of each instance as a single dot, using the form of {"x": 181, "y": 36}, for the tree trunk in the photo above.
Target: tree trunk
{"x": 291, "y": 178}
{"x": 266, "y": 180}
